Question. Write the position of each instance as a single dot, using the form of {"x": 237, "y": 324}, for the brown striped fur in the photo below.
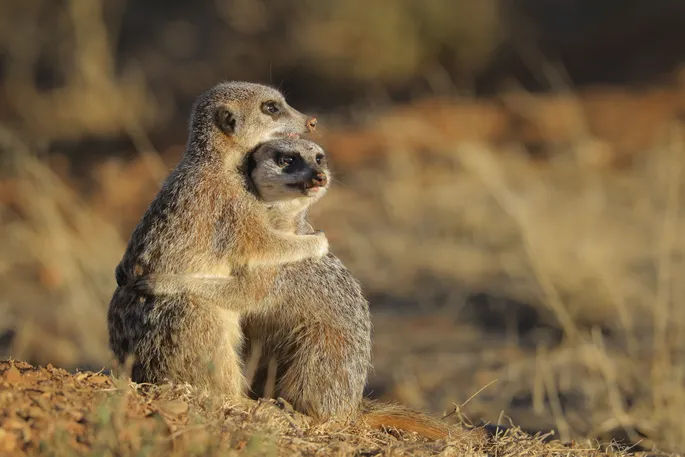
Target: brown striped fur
{"x": 205, "y": 219}
{"x": 314, "y": 322}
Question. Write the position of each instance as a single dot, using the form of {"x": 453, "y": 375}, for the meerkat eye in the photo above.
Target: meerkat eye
{"x": 271, "y": 108}
{"x": 284, "y": 160}
{"x": 319, "y": 158}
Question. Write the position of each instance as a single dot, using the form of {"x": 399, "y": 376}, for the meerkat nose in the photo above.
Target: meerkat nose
{"x": 311, "y": 124}
{"x": 320, "y": 179}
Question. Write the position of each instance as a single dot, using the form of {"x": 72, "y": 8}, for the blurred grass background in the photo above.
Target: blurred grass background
{"x": 508, "y": 185}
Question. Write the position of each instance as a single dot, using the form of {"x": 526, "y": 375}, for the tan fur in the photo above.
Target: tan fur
{"x": 381, "y": 416}
{"x": 314, "y": 320}
{"x": 205, "y": 219}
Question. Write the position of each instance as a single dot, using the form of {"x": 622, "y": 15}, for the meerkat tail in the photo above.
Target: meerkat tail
{"x": 389, "y": 415}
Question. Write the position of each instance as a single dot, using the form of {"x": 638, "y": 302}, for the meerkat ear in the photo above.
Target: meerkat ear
{"x": 226, "y": 121}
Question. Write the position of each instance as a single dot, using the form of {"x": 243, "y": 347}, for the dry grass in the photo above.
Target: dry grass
{"x": 54, "y": 287}
{"x": 441, "y": 213}
{"x": 595, "y": 251}
{"x": 49, "y": 412}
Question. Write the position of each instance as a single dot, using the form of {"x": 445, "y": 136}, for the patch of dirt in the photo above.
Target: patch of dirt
{"x": 49, "y": 411}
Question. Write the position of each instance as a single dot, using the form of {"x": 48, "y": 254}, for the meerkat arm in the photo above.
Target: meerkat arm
{"x": 274, "y": 248}
{"x": 228, "y": 292}
{"x": 244, "y": 236}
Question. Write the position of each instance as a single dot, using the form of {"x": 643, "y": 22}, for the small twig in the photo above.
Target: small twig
{"x": 459, "y": 407}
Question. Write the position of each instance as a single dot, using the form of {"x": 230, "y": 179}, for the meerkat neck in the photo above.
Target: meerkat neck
{"x": 220, "y": 166}
{"x": 287, "y": 216}
{"x": 214, "y": 152}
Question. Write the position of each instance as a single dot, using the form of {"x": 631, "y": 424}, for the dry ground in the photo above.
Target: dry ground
{"x": 50, "y": 412}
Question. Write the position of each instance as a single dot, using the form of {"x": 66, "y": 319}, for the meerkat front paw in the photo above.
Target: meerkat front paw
{"x": 145, "y": 284}
{"x": 321, "y": 247}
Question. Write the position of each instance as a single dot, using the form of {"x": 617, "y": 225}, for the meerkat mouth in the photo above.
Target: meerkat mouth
{"x": 306, "y": 187}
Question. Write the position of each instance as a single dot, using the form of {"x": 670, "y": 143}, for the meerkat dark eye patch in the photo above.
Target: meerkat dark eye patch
{"x": 271, "y": 108}
{"x": 226, "y": 121}
{"x": 284, "y": 160}
{"x": 320, "y": 158}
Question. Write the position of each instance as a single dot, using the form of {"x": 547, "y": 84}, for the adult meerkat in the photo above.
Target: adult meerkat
{"x": 314, "y": 321}
{"x": 205, "y": 219}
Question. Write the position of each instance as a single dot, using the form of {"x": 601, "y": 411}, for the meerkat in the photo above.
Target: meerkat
{"x": 314, "y": 321}
{"x": 205, "y": 219}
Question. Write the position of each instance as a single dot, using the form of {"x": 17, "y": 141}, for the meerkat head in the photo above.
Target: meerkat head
{"x": 289, "y": 169}
{"x": 246, "y": 114}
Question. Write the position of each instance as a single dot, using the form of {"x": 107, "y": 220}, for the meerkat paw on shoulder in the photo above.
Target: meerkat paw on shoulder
{"x": 313, "y": 245}
{"x": 322, "y": 243}
{"x": 145, "y": 285}
{"x": 159, "y": 284}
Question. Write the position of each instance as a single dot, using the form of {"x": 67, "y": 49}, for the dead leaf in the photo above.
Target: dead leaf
{"x": 14, "y": 424}
{"x": 13, "y": 375}
{"x": 8, "y": 441}
{"x": 173, "y": 407}
{"x": 75, "y": 414}
{"x": 99, "y": 379}
{"x": 35, "y": 411}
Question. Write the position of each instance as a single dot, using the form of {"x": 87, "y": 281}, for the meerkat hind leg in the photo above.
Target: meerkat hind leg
{"x": 325, "y": 376}
{"x": 195, "y": 343}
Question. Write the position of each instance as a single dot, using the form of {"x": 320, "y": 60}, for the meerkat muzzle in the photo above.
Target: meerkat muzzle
{"x": 311, "y": 124}
{"x": 316, "y": 182}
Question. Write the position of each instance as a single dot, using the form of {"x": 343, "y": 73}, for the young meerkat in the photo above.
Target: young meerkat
{"x": 205, "y": 219}
{"x": 314, "y": 321}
